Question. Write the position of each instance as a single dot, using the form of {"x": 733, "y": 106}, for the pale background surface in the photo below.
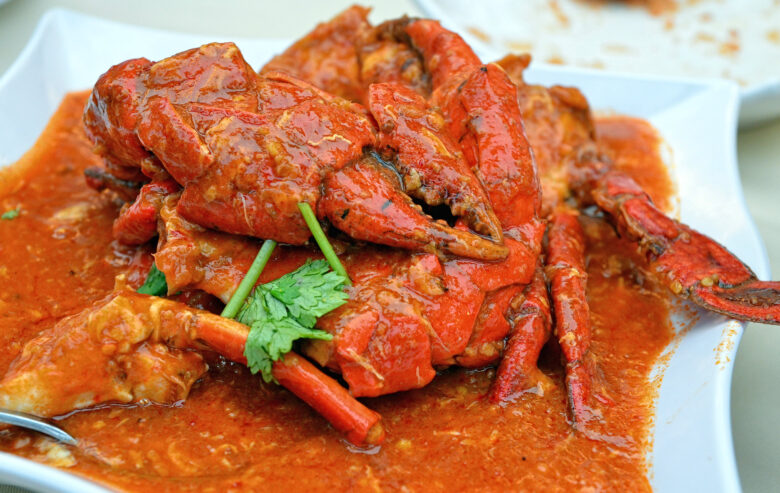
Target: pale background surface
{"x": 755, "y": 400}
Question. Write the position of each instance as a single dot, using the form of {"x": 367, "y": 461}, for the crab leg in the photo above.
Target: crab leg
{"x": 518, "y": 372}
{"x": 691, "y": 264}
{"x": 360, "y": 424}
{"x": 567, "y": 276}
{"x": 365, "y": 201}
{"x": 132, "y": 346}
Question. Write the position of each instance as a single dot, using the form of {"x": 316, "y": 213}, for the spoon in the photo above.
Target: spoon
{"x": 35, "y": 423}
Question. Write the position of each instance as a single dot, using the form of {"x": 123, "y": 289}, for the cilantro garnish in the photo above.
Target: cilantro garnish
{"x": 155, "y": 283}
{"x": 285, "y": 310}
{"x": 11, "y": 214}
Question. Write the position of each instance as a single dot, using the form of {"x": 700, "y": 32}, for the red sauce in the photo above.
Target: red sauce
{"x": 635, "y": 147}
{"x": 235, "y": 432}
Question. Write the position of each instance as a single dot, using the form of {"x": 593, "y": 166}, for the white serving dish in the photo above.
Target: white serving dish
{"x": 734, "y": 39}
{"x": 698, "y": 119}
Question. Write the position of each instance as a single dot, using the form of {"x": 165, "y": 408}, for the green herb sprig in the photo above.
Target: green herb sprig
{"x": 155, "y": 283}
{"x": 284, "y": 310}
{"x": 10, "y": 214}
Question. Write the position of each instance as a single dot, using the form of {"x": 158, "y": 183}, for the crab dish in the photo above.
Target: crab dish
{"x": 414, "y": 248}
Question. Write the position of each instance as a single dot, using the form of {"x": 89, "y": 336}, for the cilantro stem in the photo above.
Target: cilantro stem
{"x": 322, "y": 241}
{"x": 249, "y": 280}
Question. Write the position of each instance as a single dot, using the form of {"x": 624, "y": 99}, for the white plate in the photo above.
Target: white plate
{"x": 734, "y": 39}
{"x": 692, "y": 434}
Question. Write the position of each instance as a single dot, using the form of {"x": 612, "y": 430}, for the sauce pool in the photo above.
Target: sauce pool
{"x": 234, "y": 432}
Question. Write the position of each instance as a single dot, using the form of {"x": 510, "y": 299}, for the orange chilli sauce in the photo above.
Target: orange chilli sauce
{"x": 234, "y": 432}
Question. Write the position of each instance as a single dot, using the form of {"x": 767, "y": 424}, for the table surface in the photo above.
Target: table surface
{"x": 756, "y": 387}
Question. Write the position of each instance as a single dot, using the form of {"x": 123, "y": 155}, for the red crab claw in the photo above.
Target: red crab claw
{"x": 486, "y": 118}
{"x": 137, "y": 222}
{"x": 365, "y": 200}
{"x": 244, "y": 172}
{"x": 131, "y": 346}
{"x": 431, "y": 164}
{"x": 566, "y": 272}
{"x": 480, "y": 104}
{"x": 517, "y": 372}
{"x": 691, "y": 264}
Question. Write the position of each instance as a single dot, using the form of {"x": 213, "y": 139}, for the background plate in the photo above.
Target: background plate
{"x": 692, "y": 434}
{"x": 733, "y": 39}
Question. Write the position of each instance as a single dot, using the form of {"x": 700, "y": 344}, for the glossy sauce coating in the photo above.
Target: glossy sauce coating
{"x": 633, "y": 144}
{"x": 234, "y": 432}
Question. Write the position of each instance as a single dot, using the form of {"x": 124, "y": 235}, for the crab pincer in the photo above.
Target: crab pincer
{"x": 366, "y": 201}
{"x": 480, "y": 106}
{"x": 691, "y": 264}
{"x": 479, "y": 103}
{"x": 432, "y": 166}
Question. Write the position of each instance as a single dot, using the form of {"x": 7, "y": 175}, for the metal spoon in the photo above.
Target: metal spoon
{"x": 35, "y": 423}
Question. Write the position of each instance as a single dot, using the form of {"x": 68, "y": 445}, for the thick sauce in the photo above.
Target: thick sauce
{"x": 234, "y": 432}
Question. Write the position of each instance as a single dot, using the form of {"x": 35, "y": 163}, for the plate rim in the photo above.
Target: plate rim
{"x": 750, "y": 97}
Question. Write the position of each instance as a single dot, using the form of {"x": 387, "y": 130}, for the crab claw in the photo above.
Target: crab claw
{"x": 431, "y": 164}
{"x": 366, "y": 201}
{"x": 692, "y": 265}
{"x": 480, "y": 104}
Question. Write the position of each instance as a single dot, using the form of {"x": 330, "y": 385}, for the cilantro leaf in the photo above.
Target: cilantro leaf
{"x": 312, "y": 292}
{"x": 286, "y": 309}
{"x": 155, "y": 284}
{"x": 11, "y": 214}
{"x": 269, "y": 340}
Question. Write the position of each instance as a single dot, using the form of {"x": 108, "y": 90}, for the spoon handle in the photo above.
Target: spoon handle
{"x": 35, "y": 423}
